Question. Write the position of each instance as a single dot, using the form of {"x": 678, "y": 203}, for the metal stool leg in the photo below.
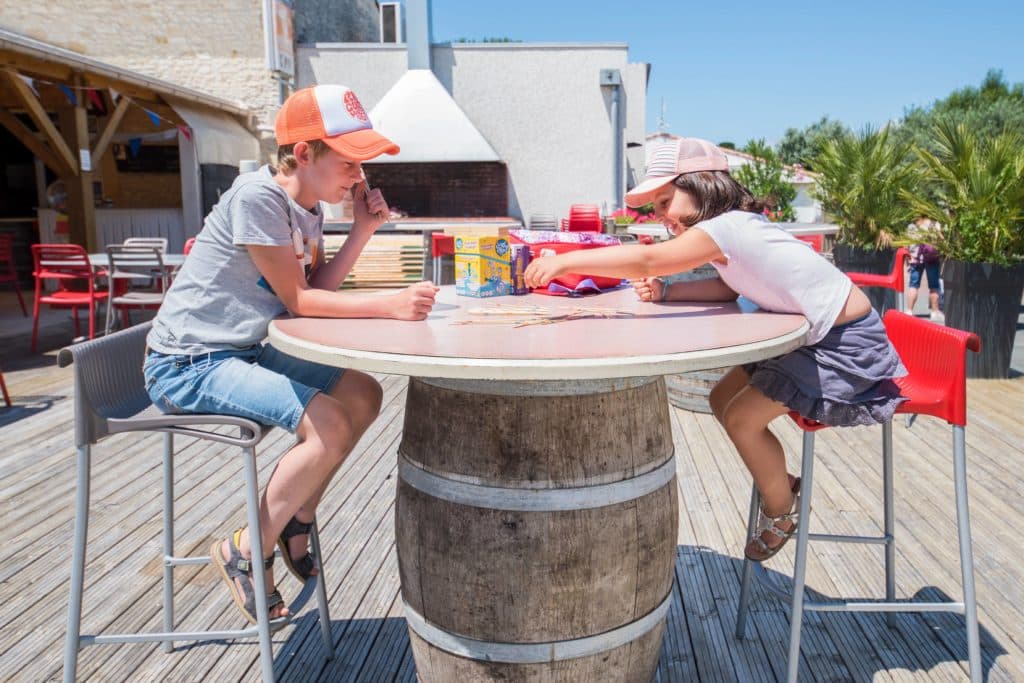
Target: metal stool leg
{"x": 437, "y": 270}
{"x": 963, "y": 524}
{"x": 748, "y": 566}
{"x": 800, "y": 566}
{"x": 72, "y": 641}
{"x": 259, "y": 579}
{"x": 321, "y": 592}
{"x": 168, "y": 538}
{"x": 889, "y": 517}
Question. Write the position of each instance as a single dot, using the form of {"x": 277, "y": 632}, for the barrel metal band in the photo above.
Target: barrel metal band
{"x": 535, "y": 500}
{"x": 535, "y": 653}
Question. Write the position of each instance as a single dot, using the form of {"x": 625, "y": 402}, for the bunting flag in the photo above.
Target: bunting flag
{"x": 69, "y": 94}
{"x": 153, "y": 117}
{"x": 30, "y": 82}
{"x": 186, "y": 132}
{"x": 114, "y": 95}
{"x": 95, "y": 98}
{"x": 134, "y": 145}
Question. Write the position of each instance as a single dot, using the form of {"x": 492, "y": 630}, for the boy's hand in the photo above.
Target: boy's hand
{"x": 649, "y": 288}
{"x": 542, "y": 270}
{"x": 414, "y": 302}
{"x": 369, "y": 209}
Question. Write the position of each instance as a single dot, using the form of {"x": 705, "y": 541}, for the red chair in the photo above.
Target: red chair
{"x": 67, "y": 264}
{"x": 584, "y": 218}
{"x": 189, "y": 243}
{"x": 440, "y": 245}
{"x": 7, "y": 272}
{"x": 935, "y": 357}
{"x": 893, "y": 280}
{"x": 817, "y": 242}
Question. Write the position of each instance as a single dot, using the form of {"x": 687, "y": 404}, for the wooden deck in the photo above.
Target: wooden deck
{"x": 371, "y": 643}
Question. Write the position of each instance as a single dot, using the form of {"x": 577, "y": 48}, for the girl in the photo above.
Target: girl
{"x": 842, "y": 377}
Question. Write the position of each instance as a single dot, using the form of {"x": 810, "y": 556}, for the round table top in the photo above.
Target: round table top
{"x": 653, "y": 339}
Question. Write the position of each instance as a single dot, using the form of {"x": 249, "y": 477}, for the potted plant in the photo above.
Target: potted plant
{"x": 863, "y": 183}
{"x": 974, "y": 194}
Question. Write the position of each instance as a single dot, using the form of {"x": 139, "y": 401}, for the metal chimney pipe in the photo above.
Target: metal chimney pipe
{"x": 418, "y": 33}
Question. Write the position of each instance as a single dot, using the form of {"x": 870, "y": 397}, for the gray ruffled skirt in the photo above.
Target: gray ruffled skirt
{"x": 845, "y": 379}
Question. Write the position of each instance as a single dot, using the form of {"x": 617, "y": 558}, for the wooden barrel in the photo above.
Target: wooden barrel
{"x": 536, "y": 529}
{"x": 690, "y": 390}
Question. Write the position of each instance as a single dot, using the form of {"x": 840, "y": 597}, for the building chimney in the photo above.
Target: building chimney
{"x": 417, "y": 33}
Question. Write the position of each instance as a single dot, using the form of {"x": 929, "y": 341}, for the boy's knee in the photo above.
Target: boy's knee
{"x": 718, "y": 399}
{"x": 734, "y": 421}
{"x": 365, "y": 399}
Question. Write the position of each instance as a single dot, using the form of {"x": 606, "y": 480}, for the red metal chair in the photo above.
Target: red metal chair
{"x": 66, "y": 264}
{"x": 893, "y": 280}
{"x": 189, "y": 243}
{"x": 440, "y": 245}
{"x": 7, "y": 271}
{"x": 584, "y": 218}
{"x": 935, "y": 357}
{"x": 817, "y": 242}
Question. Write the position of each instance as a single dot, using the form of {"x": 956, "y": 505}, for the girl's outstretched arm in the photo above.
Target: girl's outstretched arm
{"x": 692, "y": 248}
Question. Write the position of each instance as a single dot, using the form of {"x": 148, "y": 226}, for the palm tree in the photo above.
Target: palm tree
{"x": 974, "y": 191}
{"x": 863, "y": 183}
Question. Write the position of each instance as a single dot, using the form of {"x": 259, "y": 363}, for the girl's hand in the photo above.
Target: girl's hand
{"x": 369, "y": 209}
{"x": 649, "y": 288}
{"x": 542, "y": 270}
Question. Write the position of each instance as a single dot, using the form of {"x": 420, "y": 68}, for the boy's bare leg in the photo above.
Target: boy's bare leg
{"x": 746, "y": 420}
{"x": 328, "y": 431}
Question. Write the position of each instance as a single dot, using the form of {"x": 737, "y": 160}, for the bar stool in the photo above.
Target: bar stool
{"x": 110, "y": 398}
{"x": 893, "y": 280}
{"x": 935, "y": 357}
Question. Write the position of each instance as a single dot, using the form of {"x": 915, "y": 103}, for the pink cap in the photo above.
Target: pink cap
{"x": 672, "y": 159}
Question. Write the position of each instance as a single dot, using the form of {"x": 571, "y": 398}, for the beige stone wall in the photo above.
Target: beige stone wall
{"x": 217, "y": 48}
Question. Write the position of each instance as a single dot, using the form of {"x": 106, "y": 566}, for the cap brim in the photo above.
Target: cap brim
{"x": 361, "y": 145}
{"x": 645, "y": 191}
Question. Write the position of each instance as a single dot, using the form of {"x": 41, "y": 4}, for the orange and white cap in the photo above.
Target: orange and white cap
{"x": 331, "y": 113}
{"x": 672, "y": 159}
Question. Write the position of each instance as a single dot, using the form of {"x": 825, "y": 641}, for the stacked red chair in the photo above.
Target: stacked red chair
{"x": 584, "y": 218}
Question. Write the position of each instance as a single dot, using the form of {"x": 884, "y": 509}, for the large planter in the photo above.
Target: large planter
{"x": 985, "y": 298}
{"x": 873, "y": 261}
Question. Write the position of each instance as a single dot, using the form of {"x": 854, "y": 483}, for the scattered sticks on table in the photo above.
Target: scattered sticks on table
{"x": 525, "y": 315}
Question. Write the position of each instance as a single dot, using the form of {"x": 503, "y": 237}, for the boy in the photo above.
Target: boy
{"x": 259, "y": 254}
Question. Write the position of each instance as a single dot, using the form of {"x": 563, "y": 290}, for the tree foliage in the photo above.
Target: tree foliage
{"x": 765, "y": 178}
{"x": 801, "y": 145}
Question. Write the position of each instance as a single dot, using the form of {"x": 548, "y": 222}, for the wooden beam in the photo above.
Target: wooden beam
{"x": 26, "y": 137}
{"x": 42, "y": 119}
{"x": 108, "y": 131}
{"x": 81, "y": 202}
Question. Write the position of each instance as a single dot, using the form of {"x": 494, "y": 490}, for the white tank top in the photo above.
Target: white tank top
{"x": 777, "y": 271}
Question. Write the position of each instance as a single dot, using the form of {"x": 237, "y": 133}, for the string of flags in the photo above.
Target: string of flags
{"x": 93, "y": 96}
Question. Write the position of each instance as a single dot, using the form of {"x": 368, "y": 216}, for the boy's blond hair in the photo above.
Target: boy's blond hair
{"x": 286, "y": 154}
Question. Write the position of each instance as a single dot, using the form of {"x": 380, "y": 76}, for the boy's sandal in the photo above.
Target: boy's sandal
{"x": 237, "y": 567}
{"x": 302, "y": 568}
{"x": 766, "y": 523}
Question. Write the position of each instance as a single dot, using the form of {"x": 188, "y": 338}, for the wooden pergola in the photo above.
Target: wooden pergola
{"x": 59, "y": 133}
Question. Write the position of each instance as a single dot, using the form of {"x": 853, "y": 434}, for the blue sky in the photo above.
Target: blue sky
{"x": 738, "y": 70}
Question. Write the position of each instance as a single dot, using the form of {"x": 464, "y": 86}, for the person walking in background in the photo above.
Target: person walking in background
{"x": 925, "y": 259}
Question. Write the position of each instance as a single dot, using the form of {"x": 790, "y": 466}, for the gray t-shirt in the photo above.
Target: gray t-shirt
{"x": 219, "y": 301}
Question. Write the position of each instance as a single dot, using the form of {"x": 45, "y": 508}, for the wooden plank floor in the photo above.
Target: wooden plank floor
{"x": 368, "y": 628}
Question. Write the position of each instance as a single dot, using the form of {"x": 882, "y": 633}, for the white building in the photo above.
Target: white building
{"x": 493, "y": 129}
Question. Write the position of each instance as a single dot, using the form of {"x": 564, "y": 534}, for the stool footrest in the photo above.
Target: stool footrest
{"x": 760, "y": 574}
{"x": 839, "y": 538}
{"x": 296, "y": 606}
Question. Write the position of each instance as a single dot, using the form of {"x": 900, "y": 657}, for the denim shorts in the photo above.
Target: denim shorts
{"x": 259, "y": 383}
{"x": 930, "y": 269}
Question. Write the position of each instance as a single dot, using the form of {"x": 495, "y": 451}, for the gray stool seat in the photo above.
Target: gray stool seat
{"x": 110, "y": 398}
